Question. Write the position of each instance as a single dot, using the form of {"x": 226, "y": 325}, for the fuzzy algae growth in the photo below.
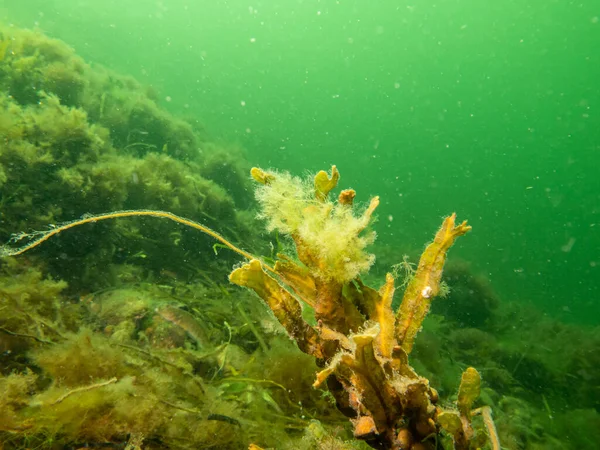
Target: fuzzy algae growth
{"x": 356, "y": 338}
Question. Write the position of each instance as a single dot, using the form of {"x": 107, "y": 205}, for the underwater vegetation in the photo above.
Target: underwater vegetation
{"x": 80, "y": 139}
{"x": 142, "y": 367}
{"x": 126, "y": 334}
{"x": 361, "y": 344}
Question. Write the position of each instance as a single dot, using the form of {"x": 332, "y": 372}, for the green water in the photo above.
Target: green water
{"x": 489, "y": 109}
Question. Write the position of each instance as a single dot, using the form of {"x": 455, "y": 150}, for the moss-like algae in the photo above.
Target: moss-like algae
{"x": 78, "y": 140}
{"x": 100, "y": 385}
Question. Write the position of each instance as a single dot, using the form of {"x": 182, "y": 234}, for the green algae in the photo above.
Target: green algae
{"x": 79, "y": 139}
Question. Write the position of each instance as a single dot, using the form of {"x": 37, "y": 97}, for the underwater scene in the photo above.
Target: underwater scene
{"x": 300, "y": 224}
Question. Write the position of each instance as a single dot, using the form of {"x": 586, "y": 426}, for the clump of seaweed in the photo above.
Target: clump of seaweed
{"x": 33, "y": 312}
{"x": 80, "y": 139}
{"x": 148, "y": 366}
{"x": 331, "y": 234}
{"x": 102, "y": 392}
{"x": 358, "y": 339}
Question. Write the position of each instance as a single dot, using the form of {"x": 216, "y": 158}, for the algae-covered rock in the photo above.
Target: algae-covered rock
{"x": 79, "y": 139}
{"x": 14, "y": 390}
{"x": 31, "y": 62}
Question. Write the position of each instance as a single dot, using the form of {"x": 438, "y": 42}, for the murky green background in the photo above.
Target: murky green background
{"x": 490, "y": 109}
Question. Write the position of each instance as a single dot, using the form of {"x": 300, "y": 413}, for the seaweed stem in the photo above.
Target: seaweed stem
{"x": 45, "y": 235}
{"x": 30, "y": 336}
{"x": 173, "y": 405}
{"x": 84, "y": 389}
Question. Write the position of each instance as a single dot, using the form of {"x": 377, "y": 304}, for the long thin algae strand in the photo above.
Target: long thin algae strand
{"x": 45, "y": 235}
{"x": 5, "y": 250}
